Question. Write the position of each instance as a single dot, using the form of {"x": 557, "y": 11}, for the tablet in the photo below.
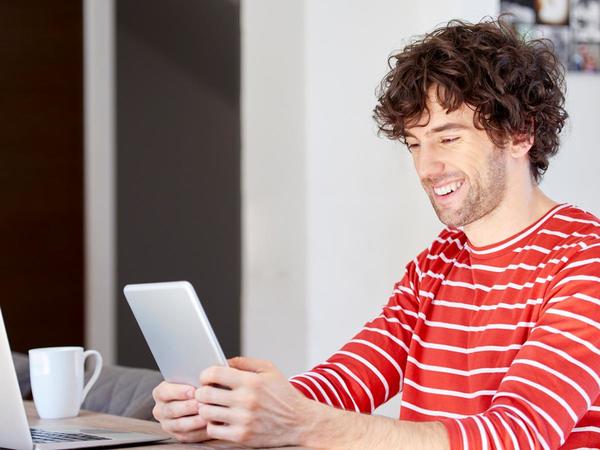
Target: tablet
{"x": 176, "y": 329}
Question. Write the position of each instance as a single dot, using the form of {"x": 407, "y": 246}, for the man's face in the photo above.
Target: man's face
{"x": 460, "y": 168}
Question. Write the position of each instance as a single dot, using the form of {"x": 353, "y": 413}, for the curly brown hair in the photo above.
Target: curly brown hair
{"x": 514, "y": 85}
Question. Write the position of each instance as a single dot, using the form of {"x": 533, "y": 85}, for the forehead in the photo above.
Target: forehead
{"x": 435, "y": 116}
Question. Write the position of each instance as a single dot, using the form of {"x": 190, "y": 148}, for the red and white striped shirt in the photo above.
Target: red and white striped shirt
{"x": 500, "y": 343}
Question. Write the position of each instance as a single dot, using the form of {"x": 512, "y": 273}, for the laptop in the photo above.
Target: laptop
{"x": 14, "y": 428}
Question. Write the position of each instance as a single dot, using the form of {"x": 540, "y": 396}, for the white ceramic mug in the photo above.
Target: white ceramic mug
{"x": 57, "y": 379}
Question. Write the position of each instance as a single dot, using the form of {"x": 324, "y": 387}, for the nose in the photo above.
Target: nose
{"x": 428, "y": 162}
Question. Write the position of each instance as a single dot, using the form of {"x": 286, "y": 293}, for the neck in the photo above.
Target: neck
{"x": 519, "y": 209}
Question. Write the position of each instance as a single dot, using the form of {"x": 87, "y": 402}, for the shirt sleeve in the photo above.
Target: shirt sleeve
{"x": 368, "y": 370}
{"x": 555, "y": 377}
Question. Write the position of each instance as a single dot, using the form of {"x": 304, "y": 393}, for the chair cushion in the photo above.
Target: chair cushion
{"x": 123, "y": 391}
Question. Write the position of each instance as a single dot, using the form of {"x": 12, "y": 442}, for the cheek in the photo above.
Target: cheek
{"x": 473, "y": 158}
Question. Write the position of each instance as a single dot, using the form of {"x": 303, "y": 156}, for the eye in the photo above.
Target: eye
{"x": 412, "y": 147}
{"x": 449, "y": 140}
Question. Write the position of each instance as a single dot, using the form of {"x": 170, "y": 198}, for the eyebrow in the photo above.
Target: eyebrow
{"x": 440, "y": 128}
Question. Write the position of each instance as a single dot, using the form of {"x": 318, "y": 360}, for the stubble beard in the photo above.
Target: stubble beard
{"x": 484, "y": 195}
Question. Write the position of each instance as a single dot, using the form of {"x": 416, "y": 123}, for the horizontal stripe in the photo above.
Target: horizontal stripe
{"x": 431, "y": 412}
{"x": 566, "y": 357}
{"x": 404, "y": 290}
{"x": 453, "y": 371}
{"x": 577, "y": 295}
{"x": 547, "y": 251}
{"x": 396, "y": 321}
{"x": 459, "y": 305}
{"x": 553, "y": 233}
{"x": 585, "y": 262}
{"x": 561, "y": 376}
{"x": 578, "y": 317}
{"x": 495, "y": 269}
{"x": 588, "y": 429}
{"x": 449, "y": 392}
{"x": 573, "y": 219}
{"x": 383, "y": 353}
{"x": 467, "y": 350}
{"x": 497, "y": 287}
{"x": 389, "y": 335}
{"x": 454, "y": 326}
{"x": 545, "y": 390}
{"x": 426, "y": 294}
{"x": 450, "y": 241}
{"x": 573, "y": 338}
{"x": 578, "y": 278}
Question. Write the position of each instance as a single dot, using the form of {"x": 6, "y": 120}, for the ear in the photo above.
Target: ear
{"x": 520, "y": 145}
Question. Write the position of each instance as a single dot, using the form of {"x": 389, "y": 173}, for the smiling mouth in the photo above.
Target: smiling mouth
{"x": 447, "y": 189}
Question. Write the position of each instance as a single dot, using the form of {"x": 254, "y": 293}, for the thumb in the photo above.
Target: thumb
{"x": 251, "y": 364}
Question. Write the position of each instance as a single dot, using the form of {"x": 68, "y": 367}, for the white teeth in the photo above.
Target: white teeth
{"x": 443, "y": 190}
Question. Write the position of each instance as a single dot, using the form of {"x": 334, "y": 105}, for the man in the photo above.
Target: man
{"x": 493, "y": 332}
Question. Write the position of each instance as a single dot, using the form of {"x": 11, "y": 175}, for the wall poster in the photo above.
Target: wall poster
{"x": 572, "y": 25}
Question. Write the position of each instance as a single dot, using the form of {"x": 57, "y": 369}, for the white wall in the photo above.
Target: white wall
{"x": 273, "y": 182}
{"x": 354, "y": 214}
{"x": 573, "y": 173}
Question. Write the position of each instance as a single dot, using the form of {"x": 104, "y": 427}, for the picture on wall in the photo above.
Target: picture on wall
{"x": 573, "y": 26}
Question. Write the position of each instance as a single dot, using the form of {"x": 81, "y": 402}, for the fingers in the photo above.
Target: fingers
{"x": 175, "y": 409}
{"x": 250, "y": 364}
{"x": 222, "y": 376}
{"x": 212, "y": 413}
{"x": 197, "y": 436}
{"x": 228, "y": 433}
{"x": 211, "y": 395}
{"x": 185, "y": 425}
{"x": 187, "y": 429}
{"x": 166, "y": 392}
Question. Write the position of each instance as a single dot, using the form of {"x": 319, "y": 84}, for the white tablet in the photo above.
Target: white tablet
{"x": 176, "y": 329}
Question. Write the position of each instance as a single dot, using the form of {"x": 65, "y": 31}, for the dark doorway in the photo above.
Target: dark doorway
{"x": 41, "y": 140}
{"x": 178, "y": 159}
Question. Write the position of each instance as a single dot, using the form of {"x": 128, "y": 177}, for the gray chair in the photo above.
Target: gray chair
{"x": 21, "y": 362}
{"x": 122, "y": 391}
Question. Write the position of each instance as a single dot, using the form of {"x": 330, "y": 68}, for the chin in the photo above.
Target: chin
{"x": 451, "y": 218}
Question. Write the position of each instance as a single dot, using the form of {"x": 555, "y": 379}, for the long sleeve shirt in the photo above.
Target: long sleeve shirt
{"x": 500, "y": 343}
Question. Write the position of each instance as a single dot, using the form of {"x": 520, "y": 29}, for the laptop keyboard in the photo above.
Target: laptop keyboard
{"x": 47, "y": 437}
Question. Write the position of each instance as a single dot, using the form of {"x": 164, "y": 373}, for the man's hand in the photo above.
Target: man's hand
{"x": 177, "y": 411}
{"x": 254, "y": 404}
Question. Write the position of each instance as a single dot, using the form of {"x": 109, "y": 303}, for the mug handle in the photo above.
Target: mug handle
{"x": 95, "y": 375}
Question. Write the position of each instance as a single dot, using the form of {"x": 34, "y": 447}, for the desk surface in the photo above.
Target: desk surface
{"x": 98, "y": 420}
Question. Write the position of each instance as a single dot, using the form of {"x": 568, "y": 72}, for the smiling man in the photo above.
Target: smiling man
{"x": 493, "y": 332}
